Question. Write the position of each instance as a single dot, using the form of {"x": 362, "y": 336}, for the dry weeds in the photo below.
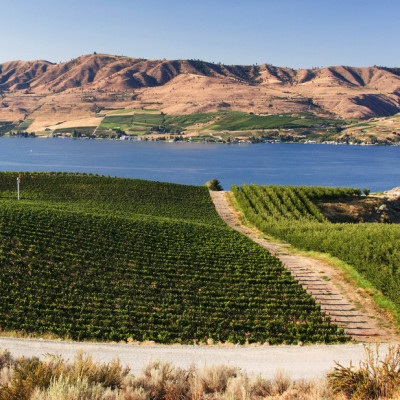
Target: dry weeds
{"x": 82, "y": 379}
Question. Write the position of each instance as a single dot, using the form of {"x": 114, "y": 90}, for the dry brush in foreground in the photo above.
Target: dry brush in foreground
{"x": 54, "y": 379}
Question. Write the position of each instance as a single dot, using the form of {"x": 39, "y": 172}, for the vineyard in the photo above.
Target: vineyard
{"x": 91, "y": 257}
{"x": 291, "y": 213}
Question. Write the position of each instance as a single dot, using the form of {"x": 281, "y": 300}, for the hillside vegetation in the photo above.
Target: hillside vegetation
{"x": 291, "y": 213}
{"x": 92, "y": 257}
{"x": 51, "y": 94}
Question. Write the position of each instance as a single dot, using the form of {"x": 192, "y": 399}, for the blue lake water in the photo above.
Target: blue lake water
{"x": 374, "y": 167}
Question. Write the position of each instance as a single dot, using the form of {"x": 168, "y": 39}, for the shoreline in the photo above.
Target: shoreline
{"x": 123, "y": 139}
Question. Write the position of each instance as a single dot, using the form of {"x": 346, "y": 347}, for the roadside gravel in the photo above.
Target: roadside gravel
{"x": 306, "y": 362}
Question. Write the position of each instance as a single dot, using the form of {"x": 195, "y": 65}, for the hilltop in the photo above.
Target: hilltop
{"x": 51, "y": 93}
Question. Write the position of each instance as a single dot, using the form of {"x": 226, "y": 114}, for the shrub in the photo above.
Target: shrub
{"x": 214, "y": 185}
{"x": 374, "y": 379}
{"x": 107, "y": 375}
{"x": 6, "y": 360}
{"x": 161, "y": 380}
{"x": 64, "y": 388}
{"x": 32, "y": 375}
{"x": 213, "y": 379}
{"x": 28, "y": 374}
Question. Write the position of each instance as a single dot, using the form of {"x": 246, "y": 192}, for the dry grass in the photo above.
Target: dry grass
{"x": 31, "y": 376}
{"x": 375, "y": 378}
{"x": 83, "y": 379}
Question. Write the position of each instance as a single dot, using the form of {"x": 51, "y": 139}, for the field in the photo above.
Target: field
{"x": 24, "y": 125}
{"x": 212, "y": 121}
{"x": 6, "y": 126}
{"x": 134, "y": 122}
{"x": 84, "y": 130}
{"x": 291, "y": 213}
{"x": 90, "y": 257}
{"x": 224, "y": 125}
{"x": 122, "y": 111}
{"x": 177, "y": 123}
{"x": 234, "y": 121}
{"x": 375, "y": 130}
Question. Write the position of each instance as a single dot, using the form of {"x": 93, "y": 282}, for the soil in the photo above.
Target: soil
{"x": 349, "y": 307}
{"x": 363, "y": 209}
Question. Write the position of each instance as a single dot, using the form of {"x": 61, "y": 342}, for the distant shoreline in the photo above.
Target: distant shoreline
{"x": 204, "y": 141}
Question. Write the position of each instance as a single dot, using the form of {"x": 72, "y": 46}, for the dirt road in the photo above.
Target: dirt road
{"x": 349, "y": 307}
{"x": 307, "y": 362}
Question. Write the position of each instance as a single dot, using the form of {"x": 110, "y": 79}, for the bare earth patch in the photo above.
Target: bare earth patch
{"x": 362, "y": 209}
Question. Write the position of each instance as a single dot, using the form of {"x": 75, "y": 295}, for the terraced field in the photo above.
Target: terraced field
{"x": 90, "y": 257}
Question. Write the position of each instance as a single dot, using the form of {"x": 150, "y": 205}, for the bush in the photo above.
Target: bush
{"x": 83, "y": 376}
{"x": 375, "y": 378}
{"x": 366, "y": 191}
{"x": 214, "y": 185}
{"x": 28, "y": 374}
{"x": 63, "y": 388}
{"x": 6, "y": 360}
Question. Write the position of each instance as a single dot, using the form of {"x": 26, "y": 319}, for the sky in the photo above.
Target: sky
{"x": 286, "y": 33}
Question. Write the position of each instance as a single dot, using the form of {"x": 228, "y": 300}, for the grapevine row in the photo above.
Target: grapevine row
{"x": 92, "y": 257}
{"x": 372, "y": 248}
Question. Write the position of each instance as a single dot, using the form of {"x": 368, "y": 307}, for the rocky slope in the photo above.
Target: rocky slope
{"x": 181, "y": 86}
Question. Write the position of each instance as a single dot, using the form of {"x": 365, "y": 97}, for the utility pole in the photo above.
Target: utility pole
{"x": 18, "y": 182}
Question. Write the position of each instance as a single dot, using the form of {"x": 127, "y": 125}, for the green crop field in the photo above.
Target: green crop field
{"x": 6, "y": 126}
{"x": 148, "y": 110}
{"x": 149, "y": 119}
{"x": 92, "y": 257}
{"x": 291, "y": 213}
{"x": 24, "y": 125}
{"x": 235, "y": 120}
{"x": 116, "y": 120}
{"x": 132, "y": 122}
{"x": 217, "y": 121}
{"x": 179, "y": 122}
{"x": 82, "y": 129}
{"x": 122, "y": 111}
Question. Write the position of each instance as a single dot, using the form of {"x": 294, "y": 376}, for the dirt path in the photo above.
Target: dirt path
{"x": 306, "y": 362}
{"x": 350, "y": 307}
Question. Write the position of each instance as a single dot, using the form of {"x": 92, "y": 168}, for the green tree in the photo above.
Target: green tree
{"x": 214, "y": 185}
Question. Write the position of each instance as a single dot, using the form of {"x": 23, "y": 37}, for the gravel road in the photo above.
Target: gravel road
{"x": 326, "y": 284}
{"x": 306, "y": 362}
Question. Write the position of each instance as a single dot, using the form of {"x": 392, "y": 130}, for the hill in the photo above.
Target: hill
{"x": 104, "y": 258}
{"x": 54, "y": 93}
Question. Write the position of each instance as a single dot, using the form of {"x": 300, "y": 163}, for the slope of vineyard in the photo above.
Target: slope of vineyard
{"x": 90, "y": 257}
{"x": 291, "y": 213}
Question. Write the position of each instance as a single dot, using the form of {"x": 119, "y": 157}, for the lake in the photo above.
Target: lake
{"x": 373, "y": 167}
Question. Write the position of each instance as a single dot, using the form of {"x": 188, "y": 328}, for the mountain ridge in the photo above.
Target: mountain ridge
{"x": 183, "y": 86}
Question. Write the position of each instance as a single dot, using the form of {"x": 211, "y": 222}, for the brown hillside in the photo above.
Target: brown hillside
{"x": 32, "y": 88}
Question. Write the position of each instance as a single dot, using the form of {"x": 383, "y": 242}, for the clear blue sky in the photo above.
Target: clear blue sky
{"x": 293, "y": 33}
